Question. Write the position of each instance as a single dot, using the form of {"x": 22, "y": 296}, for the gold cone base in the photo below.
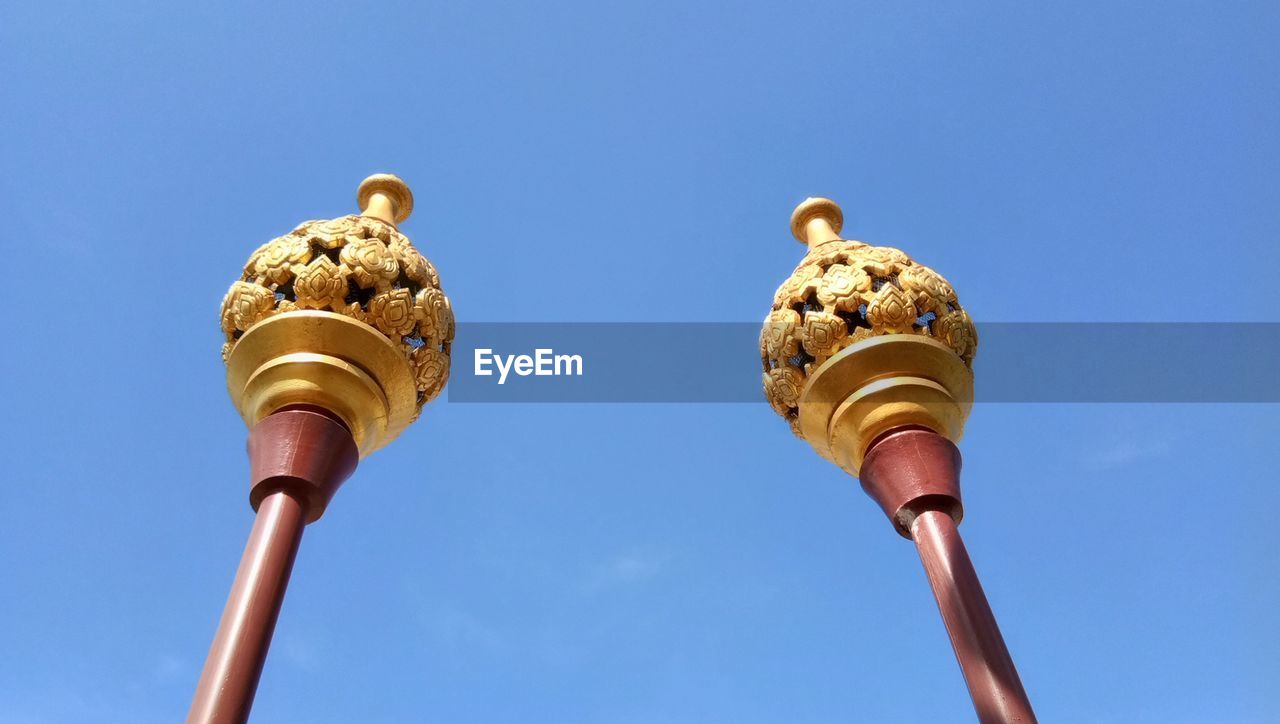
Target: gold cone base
{"x": 329, "y": 360}
{"x": 879, "y": 384}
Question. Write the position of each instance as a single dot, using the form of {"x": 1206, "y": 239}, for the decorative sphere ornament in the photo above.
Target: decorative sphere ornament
{"x": 343, "y": 314}
{"x": 862, "y": 340}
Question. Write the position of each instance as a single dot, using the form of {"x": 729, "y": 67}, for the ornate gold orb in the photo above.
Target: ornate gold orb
{"x": 862, "y": 339}
{"x": 344, "y": 314}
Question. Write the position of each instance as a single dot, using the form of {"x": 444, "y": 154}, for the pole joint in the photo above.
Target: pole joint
{"x": 304, "y": 450}
{"x": 910, "y": 470}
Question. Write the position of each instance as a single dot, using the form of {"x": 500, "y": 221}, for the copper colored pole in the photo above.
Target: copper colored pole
{"x": 914, "y": 474}
{"x": 298, "y": 457}
{"x": 988, "y": 669}
{"x": 230, "y": 676}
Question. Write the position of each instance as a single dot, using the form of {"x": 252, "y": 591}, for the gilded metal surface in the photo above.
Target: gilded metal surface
{"x": 862, "y": 339}
{"x": 344, "y": 313}
{"x": 396, "y": 193}
{"x": 880, "y": 384}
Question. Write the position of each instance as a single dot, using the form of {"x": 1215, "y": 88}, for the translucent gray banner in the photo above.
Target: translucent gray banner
{"x": 720, "y": 362}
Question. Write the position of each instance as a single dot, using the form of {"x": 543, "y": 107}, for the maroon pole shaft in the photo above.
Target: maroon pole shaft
{"x": 988, "y": 669}
{"x": 298, "y": 457}
{"x": 914, "y": 474}
{"x": 239, "y": 650}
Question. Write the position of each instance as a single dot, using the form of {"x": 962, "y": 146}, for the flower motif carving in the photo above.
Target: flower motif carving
{"x": 841, "y": 285}
{"x": 842, "y": 293}
{"x": 795, "y": 289}
{"x": 833, "y": 252}
{"x": 371, "y": 228}
{"x": 321, "y": 285}
{"x": 779, "y": 333}
{"x": 431, "y": 371}
{"x": 957, "y": 332}
{"x": 414, "y": 265}
{"x": 328, "y": 234}
{"x": 371, "y": 263}
{"x": 891, "y": 311}
{"x": 392, "y": 313}
{"x": 932, "y": 293}
{"x": 359, "y": 267}
{"x": 278, "y": 259}
{"x": 882, "y": 261}
{"x": 245, "y": 305}
{"x": 783, "y": 386}
{"x": 434, "y": 314}
{"x": 822, "y": 334}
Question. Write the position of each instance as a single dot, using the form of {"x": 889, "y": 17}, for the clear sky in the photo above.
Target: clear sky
{"x": 602, "y": 162}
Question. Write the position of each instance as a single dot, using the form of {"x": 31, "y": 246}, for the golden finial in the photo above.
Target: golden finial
{"x": 385, "y": 196}
{"x": 816, "y": 220}
{"x": 344, "y": 314}
{"x": 862, "y": 339}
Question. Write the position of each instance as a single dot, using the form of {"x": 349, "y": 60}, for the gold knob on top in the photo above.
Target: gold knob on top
{"x": 385, "y": 196}
{"x": 344, "y": 314}
{"x": 817, "y": 220}
{"x": 862, "y": 340}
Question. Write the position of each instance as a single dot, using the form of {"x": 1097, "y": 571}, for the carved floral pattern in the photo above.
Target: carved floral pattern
{"x": 957, "y": 332}
{"x": 392, "y": 313}
{"x": 371, "y": 263}
{"x": 328, "y": 234}
{"x": 783, "y": 385}
{"x": 372, "y": 228}
{"x": 434, "y": 314}
{"x": 932, "y": 292}
{"x": 891, "y": 311}
{"x": 843, "y": 292}
{"x": 841, "y": 285}
{"x": 360, "y": 267}
{"x": 882, "y": 261}
{"x": 779, "y": 333}
{"x": 321, "y": 285}
{"x": 801, "y": 283}
{"x": 275, "y": 262}
{"x": 414, "y": 265}
{"x": 431, "y": 369}
{"x": 823, "y": 332}
{"x": 245, "y": 305}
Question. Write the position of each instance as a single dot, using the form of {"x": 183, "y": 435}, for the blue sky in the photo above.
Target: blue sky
{"x": 606, "y": 162}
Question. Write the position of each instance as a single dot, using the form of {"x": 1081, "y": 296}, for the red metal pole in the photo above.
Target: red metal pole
{"x": 239, "y": 650}
{"x": 298, "y": 456}
{"x": 914, "y": 474}
{"x": 988, "y": 669}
